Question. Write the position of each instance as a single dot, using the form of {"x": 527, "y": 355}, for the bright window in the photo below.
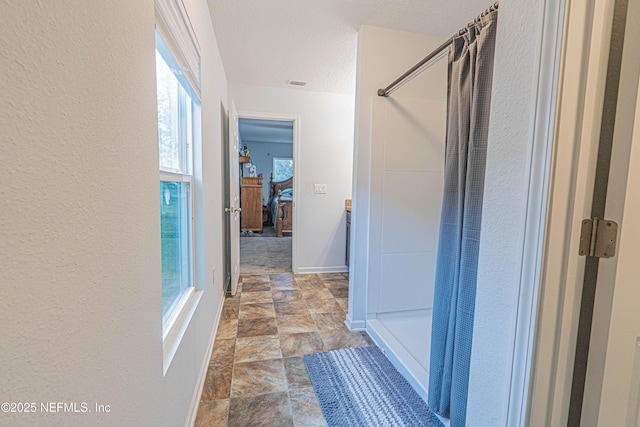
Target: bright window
{"x": 282, "y": 168}
{"x": 175, "y": 226}
{"x": 176, "y": 104}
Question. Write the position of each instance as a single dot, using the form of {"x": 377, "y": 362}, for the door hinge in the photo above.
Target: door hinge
{"x": 598, "y": 238}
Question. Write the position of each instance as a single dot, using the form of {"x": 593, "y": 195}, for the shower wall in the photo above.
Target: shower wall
{"x": 399, "y": 194}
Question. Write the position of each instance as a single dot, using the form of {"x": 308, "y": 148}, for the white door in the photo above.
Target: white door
{"x": 234, "y": 197}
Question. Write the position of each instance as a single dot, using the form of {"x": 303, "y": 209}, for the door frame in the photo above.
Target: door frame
{"x": 570, "y": 200}
{"x": 575, "y": 147}
{"x": 226, "y": 194}
{"x": 296, "y": 173}
{"x": 233, "y": 209}
{"x": 543, "y": 130}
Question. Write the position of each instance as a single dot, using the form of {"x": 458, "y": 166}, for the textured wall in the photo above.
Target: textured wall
{"x": 504, "y": 208}
{"x": 80, "y": 252}
{"x": 80, "y": 217}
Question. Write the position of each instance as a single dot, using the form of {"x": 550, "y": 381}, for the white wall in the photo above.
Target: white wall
{"x": 80, "y": 254}
{"x": 412, "y": 117}
{"x": 325, "y": 156}
{"x": 504, "y": 210}
{"x": 399, "y": 197}
{"x": 407, "y": 174}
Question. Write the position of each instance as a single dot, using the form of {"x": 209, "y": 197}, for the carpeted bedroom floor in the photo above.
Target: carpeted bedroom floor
{"x": 265, "y": 254}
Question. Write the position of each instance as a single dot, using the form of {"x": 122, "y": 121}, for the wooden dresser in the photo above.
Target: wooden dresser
{"x": 251, "y": 203}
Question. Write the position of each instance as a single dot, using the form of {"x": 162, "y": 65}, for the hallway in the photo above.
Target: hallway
{"x": 257, "y": 376}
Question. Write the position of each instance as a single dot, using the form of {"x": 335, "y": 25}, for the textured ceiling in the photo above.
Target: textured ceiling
{"x": 270, "y": 42}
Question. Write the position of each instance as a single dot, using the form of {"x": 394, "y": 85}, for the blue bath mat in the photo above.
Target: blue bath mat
{"x": 360, "y": 387}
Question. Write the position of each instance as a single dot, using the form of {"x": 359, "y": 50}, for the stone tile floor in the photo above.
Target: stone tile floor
{"x": 257, "y": 376}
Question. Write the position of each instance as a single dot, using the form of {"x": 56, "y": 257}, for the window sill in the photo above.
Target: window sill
{"x": 178, "y": 328}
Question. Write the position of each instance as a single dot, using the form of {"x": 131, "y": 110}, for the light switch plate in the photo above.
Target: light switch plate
{"x": 320, "y": 188}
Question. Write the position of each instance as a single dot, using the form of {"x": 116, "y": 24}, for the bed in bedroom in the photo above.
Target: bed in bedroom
{"x": 281, "y": 203}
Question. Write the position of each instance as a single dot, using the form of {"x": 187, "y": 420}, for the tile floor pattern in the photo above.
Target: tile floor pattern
{"x": 257, "y": 376}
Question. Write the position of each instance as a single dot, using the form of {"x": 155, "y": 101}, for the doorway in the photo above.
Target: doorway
{"x": 266, "y": 166}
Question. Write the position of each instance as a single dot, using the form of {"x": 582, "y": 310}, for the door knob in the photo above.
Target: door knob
{"x": 228, "y": 209}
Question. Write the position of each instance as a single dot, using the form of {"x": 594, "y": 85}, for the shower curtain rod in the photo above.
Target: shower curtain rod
{"x": 386, "y": 91}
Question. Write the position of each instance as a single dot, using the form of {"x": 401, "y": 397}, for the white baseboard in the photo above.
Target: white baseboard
{"x": 404, "y": 362}
{"x": 355, "y": 325}
{"x": 202, "y": 376}
{"x": 329, "y": 269}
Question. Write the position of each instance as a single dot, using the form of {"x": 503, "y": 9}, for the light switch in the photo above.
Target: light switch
{"x": 320, "y": 188}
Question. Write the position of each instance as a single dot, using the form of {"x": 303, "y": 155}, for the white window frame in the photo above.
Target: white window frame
{"x": 174, "y": 26}
{"x": 186, "y": 138}
{"x": 177, "y": 307}
{"x": 174, "y": 29}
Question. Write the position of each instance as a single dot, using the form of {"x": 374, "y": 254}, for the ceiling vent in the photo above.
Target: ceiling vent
{"x": 296, "y": 83}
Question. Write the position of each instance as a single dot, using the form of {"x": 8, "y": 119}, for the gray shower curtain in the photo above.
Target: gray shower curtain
{"x": 468, "y": 102}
